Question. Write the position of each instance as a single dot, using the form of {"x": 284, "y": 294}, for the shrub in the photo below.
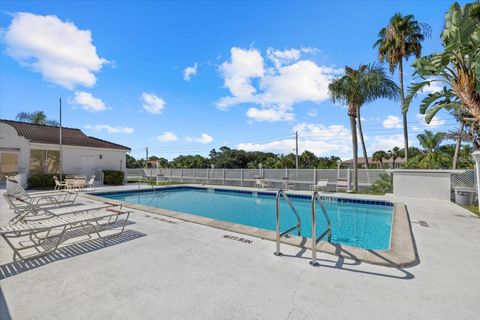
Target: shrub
{"x": 114, "y": 177}
{"x": 43, "y": 180}
{"x": 383, "y": 185}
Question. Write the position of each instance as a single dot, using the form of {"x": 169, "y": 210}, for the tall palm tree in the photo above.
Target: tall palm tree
{"x": 430, "y": 141}
{"x": 362, "y": 139}
{"x": 399, "y": 40}
{"x": 355, "y": 88}
{"x": 36, "y": 117}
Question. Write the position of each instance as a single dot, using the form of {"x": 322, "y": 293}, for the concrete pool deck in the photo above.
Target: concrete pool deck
{"x": 162, "y": 267}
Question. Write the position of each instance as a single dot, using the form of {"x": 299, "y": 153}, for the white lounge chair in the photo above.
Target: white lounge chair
{"x": 321, "y": 185}
{"x": 59, "y": 197}
{"x": 342, "y": 184}
{"x": 44, "y": 236}
{"x": 25, "y": 211}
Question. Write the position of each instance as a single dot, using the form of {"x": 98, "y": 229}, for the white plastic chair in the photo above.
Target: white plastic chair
{"x": 321, "y": 185}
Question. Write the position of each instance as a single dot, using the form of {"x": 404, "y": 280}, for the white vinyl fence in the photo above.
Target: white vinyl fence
{"x": 301, "y": 179}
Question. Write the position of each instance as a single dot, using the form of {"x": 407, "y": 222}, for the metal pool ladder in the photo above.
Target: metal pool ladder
{"x": 297, "y": 227}
{"x": 316, "y": 197}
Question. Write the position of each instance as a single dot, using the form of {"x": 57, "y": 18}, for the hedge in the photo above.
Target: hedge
{"x": 43, "y": 180}
{"x": 114, "y": 177}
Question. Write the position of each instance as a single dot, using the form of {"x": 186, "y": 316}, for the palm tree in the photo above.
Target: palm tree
{"x": 362, "y": 139}
{"x": 36, "y": 117}
{"x": 475, "y": 11}
{"x": 378, "y": 156}
{"x": 398, "y": 41}
{"x": 457, "y": 66}
{"x": 429, "y": 141}
{"x": 355, "y": 88}
{"x": 394, "y": 154}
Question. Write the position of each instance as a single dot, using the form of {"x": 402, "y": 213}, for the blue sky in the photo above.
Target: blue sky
{"x": 186, "y": 77}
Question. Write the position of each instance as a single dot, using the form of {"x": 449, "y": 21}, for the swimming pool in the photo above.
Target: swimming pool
{"x": 359, "y": 223}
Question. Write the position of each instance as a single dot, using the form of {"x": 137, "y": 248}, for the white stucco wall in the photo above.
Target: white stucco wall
{"x": 424, "y": 184}
{"x": 76, "y": 159}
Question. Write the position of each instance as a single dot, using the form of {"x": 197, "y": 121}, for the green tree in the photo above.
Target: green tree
{"x": 378, "y": 156}
{"x": 131, "y": 162}
{"x": 430, "y": 141}
{"x": 457, "y": 67}
{"x": 307, "y": 160}
{"x": 394, "y": 154}
{"x": 355, "y": 88}
{"x": 399, "y": 40}
{"x": 475, "y": 11}
{"x": 36, "y": 117}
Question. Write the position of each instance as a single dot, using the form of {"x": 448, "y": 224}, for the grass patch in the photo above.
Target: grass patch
{"x": 473, "y": 209}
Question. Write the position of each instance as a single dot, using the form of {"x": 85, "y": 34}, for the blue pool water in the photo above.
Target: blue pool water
{"x": 356, "y": 224}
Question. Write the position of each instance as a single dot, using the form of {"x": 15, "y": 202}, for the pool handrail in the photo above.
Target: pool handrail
{"x": 298, "y": 226}
{"x": 317, "y": 197}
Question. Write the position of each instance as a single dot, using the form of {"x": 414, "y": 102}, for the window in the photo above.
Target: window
{"x": 36, "y": 161}
{"x": 53, "y": 161}
{"x": 44, "y": 161}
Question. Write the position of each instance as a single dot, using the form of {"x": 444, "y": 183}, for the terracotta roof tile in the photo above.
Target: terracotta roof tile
{"x": 39, "y": 133}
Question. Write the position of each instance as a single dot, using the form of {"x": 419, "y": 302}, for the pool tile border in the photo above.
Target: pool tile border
{"x": 402, "y": 252}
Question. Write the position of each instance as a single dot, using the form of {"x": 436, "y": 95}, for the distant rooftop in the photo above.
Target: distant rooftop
{"x": 39, "y": 133}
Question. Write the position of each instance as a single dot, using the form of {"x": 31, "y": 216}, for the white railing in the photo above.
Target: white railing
{"x": 301, "y": 178}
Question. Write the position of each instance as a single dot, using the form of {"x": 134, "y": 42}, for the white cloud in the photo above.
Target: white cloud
{"x": 204, "y": 138}
{"x": 435, "y": 122}
{"x": 237, "y": 75}
{"x": 278, "y": 88}
{"x": 189, "y": 72}
{"x": 386, "y": 142}
{"x": 152, "y": 103}
{"x": 433, "y": 87}
{"x": 279, "y": 57}
{"x": 317, "y": 138}
{"x": 392, "y": 122}
{"x": 59, "y": 51}
{"x": 88, "y": 102}
{"x": 167, "y": 136}
{"x": 110, "y": 129}
{"x": 270, "y": 115}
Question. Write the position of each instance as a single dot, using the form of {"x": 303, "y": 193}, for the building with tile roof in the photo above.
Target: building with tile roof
{"x": 27, "y": 149}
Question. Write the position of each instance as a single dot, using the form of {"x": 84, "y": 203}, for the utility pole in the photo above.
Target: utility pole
{"x": 60, "y": 139}
{"x": 296, "y": 149}
{"x": 146, "y": 157}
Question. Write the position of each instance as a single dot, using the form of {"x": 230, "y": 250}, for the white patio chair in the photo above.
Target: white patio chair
{"x": 79, "y": 182}
{"x": 58, "y": 185}
{"x": 261, "y": 183}
{"x": 321, "y": 185}
{"x": 91, "y": 183}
